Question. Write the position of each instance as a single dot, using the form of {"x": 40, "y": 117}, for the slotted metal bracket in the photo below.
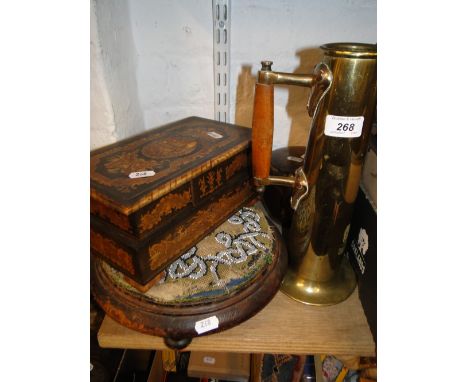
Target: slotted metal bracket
{"x": 221, "y": 58}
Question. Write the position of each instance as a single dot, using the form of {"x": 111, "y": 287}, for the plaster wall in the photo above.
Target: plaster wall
{"x": 102, "y": 114}
{"x": 116, "y": 51}
{"x": 174, "y": 45}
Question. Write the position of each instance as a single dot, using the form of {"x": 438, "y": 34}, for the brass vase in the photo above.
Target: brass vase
{"x": 341, "y": 104}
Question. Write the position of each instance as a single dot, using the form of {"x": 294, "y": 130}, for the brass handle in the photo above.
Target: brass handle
{"x": 262, "y": 131}
{"x": 263, "y": 121}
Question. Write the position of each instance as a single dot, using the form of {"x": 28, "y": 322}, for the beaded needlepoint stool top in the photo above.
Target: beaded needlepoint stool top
{"x": 222, "y": 281}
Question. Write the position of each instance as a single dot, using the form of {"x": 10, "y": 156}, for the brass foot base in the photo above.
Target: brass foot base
{"x": 311, "y": 292}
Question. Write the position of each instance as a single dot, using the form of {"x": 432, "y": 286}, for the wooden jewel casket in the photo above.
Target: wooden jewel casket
{"x": 154, "y": 195}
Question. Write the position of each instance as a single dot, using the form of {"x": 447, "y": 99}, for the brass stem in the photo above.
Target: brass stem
{"x": 280, "y": 78}
{"x": 288, "y": 181}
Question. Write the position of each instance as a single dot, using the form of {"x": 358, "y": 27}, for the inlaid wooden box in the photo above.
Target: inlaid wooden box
{"x": 202, "y": 175}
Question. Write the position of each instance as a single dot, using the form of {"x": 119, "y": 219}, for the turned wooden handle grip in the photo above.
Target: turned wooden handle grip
{"x": 262, "y": 130}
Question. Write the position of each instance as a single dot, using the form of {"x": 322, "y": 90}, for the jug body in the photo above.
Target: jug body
{"x": 333, "y": 161}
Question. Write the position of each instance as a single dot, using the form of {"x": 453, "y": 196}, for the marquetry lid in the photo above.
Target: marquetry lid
{"x": 171, "y": 155}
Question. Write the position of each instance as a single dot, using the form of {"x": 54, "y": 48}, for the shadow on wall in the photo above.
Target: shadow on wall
{"x": 297, "y": 98}
{"x": 296, "y": 106}
{"x": 245, "y": 96}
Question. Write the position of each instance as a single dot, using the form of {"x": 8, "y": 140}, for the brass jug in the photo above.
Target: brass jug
{"x": 341, "y": 105}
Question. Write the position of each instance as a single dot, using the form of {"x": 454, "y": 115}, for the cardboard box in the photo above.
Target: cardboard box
{"x": 362, "y": 241}
{"x": 227, "y": 366}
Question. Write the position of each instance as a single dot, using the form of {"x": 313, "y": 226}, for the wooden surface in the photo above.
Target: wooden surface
{"x": 283, "y": 326}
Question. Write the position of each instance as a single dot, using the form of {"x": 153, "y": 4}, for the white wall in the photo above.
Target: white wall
{"x": 117, "y": 52}
{"x": 168, "y": 47}
{"x": 173, "y": 40}
{"x": 102, "y": 114}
